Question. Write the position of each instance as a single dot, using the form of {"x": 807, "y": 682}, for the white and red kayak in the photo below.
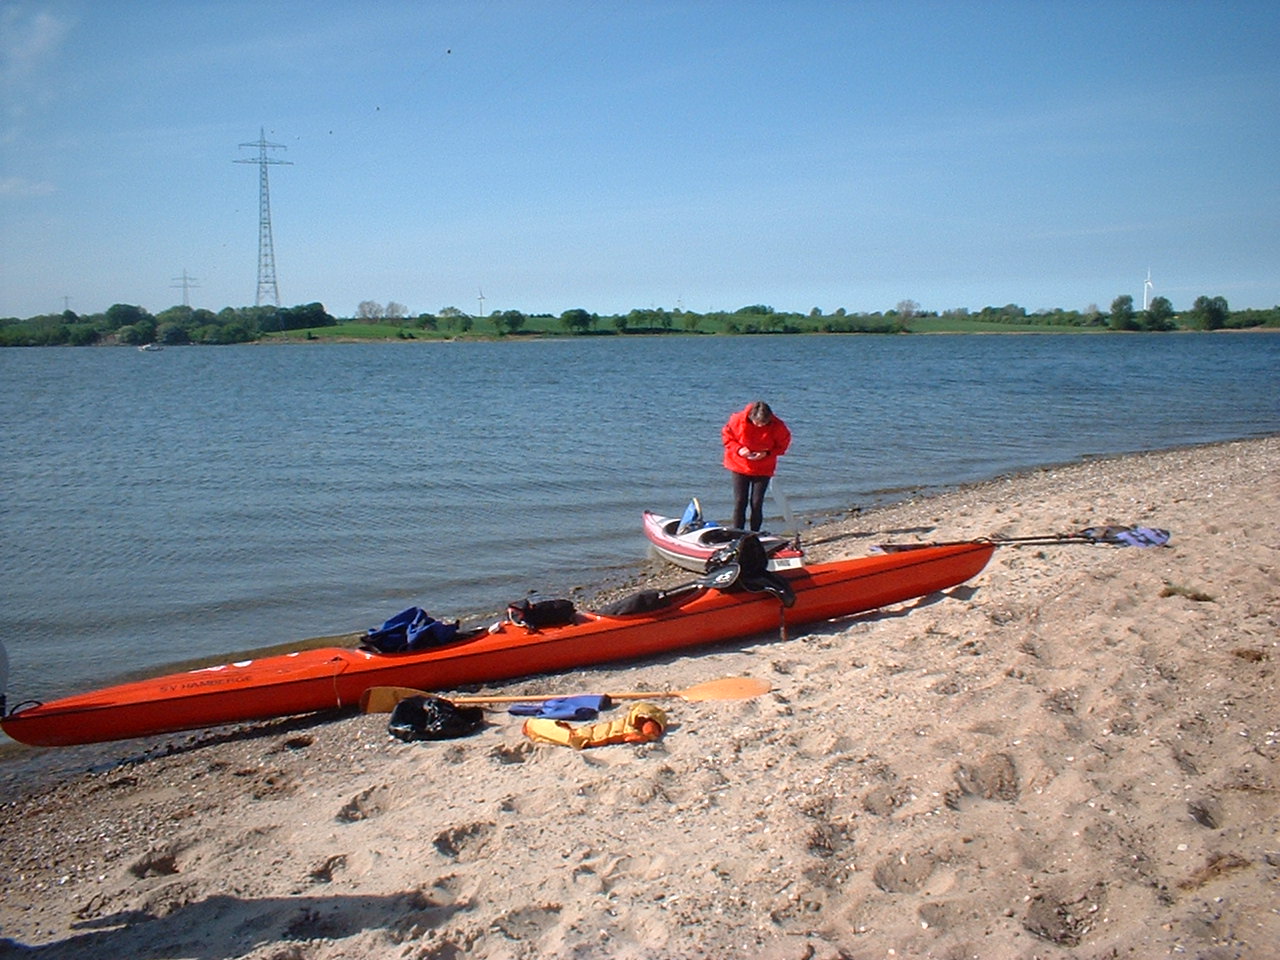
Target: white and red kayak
{"x": 689, "y": 541}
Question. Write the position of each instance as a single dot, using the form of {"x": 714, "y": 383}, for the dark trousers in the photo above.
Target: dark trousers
{"x": 748, "y": 490}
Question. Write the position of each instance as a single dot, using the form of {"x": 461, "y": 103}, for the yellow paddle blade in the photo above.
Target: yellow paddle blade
{"x": 384, "y": 699}
{"x": 726, "y": 688}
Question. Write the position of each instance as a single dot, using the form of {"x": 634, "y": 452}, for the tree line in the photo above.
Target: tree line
{"x": 129, "y": 324}
{"x": 1207, "y": 313}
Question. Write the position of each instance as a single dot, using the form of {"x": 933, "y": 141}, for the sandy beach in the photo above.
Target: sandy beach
{"x": 1073, "y": 755}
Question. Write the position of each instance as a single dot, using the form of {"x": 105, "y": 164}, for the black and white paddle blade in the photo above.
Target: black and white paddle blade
{"x": 722, "y": 577}
{"x": 1127, "y": 536}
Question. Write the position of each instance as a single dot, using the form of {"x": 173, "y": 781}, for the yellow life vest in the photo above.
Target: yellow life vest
{"x": 643, "y": 723}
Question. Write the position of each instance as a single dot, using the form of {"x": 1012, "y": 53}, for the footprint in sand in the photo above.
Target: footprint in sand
{"x": 504, "y": 753}
{"x": 467, "y": 839}
{"x": 300, "y": 742}
{"x": 883, "y": 800}
{"x": 1206, "y": 812}
{"x": 903, "y": 873}
{"x": 1065, "y": 922}
{"x": 323, "y": 872}
{"x": 155, "y": 863}
{"x": 368, "y": 803}
{"x": 942, "y": 914}
{"x": 529, "y": 922}
{"x": 994, "y": 777}
{"x": 269, "y": 784}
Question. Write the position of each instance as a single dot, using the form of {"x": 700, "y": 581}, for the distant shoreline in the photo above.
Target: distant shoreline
{"x": 318, "y": 336}
{"x": 276, "y": 339}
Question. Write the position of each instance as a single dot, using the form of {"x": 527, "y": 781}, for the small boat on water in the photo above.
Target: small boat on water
{"x": 150, "y": 348}
{"x": 690, "y": 542}
{"x": 321, "y": 679}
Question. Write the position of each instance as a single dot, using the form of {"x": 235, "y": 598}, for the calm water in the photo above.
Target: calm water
{"x": 158, "y": 507}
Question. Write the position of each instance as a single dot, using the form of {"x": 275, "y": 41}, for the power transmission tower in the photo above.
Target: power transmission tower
{"x": 186, "y": 283}
{"x": 266, "y": 251}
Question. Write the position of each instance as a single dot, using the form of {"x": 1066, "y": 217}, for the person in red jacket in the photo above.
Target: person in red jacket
{"x": 753, "y": 440}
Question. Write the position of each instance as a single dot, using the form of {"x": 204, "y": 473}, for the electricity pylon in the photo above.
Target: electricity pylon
{"x": 266, "y": 251}
{"x": 186, "y": 283}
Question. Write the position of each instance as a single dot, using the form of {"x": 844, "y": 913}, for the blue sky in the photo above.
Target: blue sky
{"x": 612, "y": 155}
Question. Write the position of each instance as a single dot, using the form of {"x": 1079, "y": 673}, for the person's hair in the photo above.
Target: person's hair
{"x": 760, "y": 411}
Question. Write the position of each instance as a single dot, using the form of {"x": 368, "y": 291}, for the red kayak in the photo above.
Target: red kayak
{"x": 312, "y": 680}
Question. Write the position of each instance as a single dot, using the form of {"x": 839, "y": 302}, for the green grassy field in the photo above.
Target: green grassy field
{"x": 361, "y": 331}
{"x": 956, "y": 325}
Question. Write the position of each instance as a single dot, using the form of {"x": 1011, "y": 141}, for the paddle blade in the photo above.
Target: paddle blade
{"x": 1126, "y": 536}
{"x": 726, "y": 688}
{"x": 384, "y": 699}
{"x": 722, "y": 577}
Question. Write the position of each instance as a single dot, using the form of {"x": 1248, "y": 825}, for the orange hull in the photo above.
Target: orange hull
{"x": 322, "y": 679}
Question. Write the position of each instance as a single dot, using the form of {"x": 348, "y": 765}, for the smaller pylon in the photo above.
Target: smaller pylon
{"x": 186, "y": 283}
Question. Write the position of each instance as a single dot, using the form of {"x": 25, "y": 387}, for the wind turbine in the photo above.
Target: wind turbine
{"x": 481, "y": 299}
{"x": 1146, "y": 291}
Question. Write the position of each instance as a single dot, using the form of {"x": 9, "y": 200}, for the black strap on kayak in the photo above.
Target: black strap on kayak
{"x": 742, "y": 566}
{"x": 646, "y": 601}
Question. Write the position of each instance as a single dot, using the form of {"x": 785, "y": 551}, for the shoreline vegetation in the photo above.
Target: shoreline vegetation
{"x": 1074, "y": 752}
{"x": 131, "y": 325}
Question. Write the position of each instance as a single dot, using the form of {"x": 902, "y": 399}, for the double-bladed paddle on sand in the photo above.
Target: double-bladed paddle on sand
{"x": 384, "y": 699}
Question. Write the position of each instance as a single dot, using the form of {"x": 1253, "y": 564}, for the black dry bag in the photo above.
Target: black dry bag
{"x": 431, "y": 718}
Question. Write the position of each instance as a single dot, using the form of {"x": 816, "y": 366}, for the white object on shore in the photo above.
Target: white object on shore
{"x": 793, "y": 529}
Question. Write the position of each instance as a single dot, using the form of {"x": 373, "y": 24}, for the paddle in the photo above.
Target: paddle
{"x": 793, "y": 528}
{"x": 384, "y": 699}
{"x": 1113, "y": 535}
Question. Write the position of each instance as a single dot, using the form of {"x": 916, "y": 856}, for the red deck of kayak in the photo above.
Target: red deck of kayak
{"x": 313, "y": 680}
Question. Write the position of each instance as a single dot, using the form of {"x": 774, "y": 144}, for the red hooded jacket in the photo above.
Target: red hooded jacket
{"x": 772, "y": 440}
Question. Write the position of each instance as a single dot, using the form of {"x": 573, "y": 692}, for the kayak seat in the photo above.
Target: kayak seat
{"x": 721, "y": 535}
